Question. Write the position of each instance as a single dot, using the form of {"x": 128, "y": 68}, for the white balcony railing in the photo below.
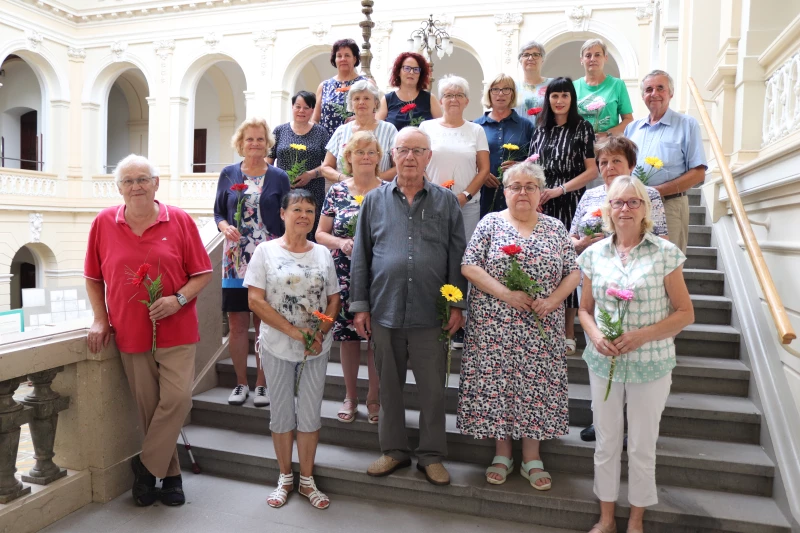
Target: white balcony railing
{"x": 782, "y": 101}
{"x": 197, "y": 189}
{"x": 105, "y": 189}
{"x": 26, "y": 183}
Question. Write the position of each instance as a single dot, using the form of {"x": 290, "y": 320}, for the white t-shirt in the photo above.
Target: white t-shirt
{"x": 455, "y": 153}
{"x": 295, "y": 285}
{"x": 385, "y": 132}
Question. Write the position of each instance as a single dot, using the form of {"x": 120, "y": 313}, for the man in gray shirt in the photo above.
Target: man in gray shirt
{"x": 409, "y": 242}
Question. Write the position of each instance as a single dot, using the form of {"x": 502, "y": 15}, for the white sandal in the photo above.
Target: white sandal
{"x": 280, "y": 494}
{"x": 317, "y": 498}
{"x": 572, "y": 346}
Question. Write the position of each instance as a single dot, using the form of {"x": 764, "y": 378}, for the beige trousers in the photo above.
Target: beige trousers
{"x": 161, "y": 384}
{"x": 677, "y": 212}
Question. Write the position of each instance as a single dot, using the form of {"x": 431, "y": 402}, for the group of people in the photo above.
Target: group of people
{"x": 352, "y": 221}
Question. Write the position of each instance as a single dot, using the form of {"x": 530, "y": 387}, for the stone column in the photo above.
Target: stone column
{"x": 77, "y": 57}
{"x": 12, "y": 416}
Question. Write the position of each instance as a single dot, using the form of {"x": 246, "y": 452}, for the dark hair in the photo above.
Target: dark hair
{"x": 345, "y": 43}
{"x": 309, "y": 98}
{"x": 617, "y": 145}
{"x": 548, "y": 118}
{"x": 424, "y": 70}
{"x": 295, "y": 196}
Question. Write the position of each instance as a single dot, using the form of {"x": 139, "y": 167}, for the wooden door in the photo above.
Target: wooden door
{"x": 27, "y": 278}
{"x": 27, "y": 141}
{"x": 199, "y": 158}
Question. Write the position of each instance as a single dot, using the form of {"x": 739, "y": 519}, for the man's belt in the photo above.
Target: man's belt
{"x": 671, "y": 196}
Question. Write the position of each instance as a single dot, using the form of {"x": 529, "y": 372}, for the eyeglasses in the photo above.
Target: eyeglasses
{"x": 457, "y": 96}
{"x": 498, "y": 90}
{"x": 402, "y": 151}
{"x": 633, "y": 203}
{"x": 516, "y": 189}
{"x": 362, "y": 153}
{"x": 415, "y": 70}
{"x": 533, "y": 55}
{"x": 141, "y": 182}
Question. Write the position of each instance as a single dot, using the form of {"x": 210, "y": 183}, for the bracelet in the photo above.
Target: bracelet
{"x": 316, "y": 173}
{"x": 563, "y": 189}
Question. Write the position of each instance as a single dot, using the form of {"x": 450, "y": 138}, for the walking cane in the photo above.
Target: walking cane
{"x": 195, "y": 466}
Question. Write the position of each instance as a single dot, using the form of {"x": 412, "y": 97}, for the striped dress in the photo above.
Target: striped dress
{"x": 385, "y": 132}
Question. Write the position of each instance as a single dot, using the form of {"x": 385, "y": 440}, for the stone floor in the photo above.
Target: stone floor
{"x": 217, "y": 504}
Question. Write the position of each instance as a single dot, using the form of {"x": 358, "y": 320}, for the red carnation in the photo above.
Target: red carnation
{"x": 408, "y": 107}
{"x": 534, "y": 111}
{"x": 511, "y": 249}
{"x": 238, "y": 187}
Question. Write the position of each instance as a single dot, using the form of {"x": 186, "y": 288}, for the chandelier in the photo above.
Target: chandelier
{"x": 430, "y": 38}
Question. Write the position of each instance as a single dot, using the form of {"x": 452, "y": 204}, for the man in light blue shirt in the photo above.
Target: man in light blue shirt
{"x": 674, "y": 138}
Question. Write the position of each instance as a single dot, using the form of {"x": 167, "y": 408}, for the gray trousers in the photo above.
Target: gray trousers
{"x": 393, "y": 349}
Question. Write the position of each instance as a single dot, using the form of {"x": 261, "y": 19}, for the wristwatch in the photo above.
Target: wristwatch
{"x": 467, "y": 194}
{"x": 181, "y": 299}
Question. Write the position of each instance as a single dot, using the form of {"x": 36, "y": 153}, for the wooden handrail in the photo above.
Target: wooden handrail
{"x": 786, "y": 333}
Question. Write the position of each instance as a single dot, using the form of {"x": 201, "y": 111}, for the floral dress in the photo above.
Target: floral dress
{"x": 334, "y": 103}
{"x": 513, "y": 381}
{"x": 236, "y": 256}
{"x": 342, "y": 207}
{"x": 530, "y": 97}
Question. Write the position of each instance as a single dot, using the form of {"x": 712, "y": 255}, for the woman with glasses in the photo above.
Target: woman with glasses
{"x": 564, "y": 146}
{"x": 530, "y": 92}
{"x": 460, "y": 150}
{"x": 641, "y": 274}
{"x": 514, "y": 370}
{"x": 503, "y": 127}
{"x": 410, "y": 104}
{"x": 285, "y": 153}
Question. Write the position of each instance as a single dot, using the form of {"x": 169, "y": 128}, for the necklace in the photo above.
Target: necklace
{"x": 296, "y": 255}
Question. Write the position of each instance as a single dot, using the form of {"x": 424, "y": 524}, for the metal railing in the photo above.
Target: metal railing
{"x": 3, "y": 158}
{"x": 206, "y": 165}
{"x": 786, "y": 333}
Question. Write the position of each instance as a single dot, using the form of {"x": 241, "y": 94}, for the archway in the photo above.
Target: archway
{"x": 564, "y": 60}
{"x": 21, "y": 105}
{"x": 24, "y": 273}
{"x": 462, "y": 63}
{"x": 315, "y": 71}
{"x": 127, "y": 118}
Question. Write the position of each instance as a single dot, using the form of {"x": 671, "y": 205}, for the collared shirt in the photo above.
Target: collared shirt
{"x": 403, "y": 254}
{"x": 649, "y": 263}
{"x": 173, "y": 249}
{"x": 594, "y": 199}
{"x": 674, "y": 139}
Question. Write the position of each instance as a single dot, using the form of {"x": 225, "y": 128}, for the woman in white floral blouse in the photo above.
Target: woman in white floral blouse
{"x": 634, "y": 270}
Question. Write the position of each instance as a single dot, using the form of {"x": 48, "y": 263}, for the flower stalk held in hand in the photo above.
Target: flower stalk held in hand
{"x": 517, "y": 280}
{"x": 510, "y": 150}
{"x": 239, "y": 189}
{"x": 154, "y": 289}
{"x": 448, "y": 295}
{"x": 408, "y": 109}
{"x": 612, "y": 329}
{"x": 353, "y": 222}
{"x": 644, "y": 176}
{"x": 308, "y": 339}
{"x": 299, "y": 166}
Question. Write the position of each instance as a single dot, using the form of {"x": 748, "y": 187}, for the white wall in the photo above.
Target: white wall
{"x": 19, "y": 94}
{"x": 117, "y": 136}
{"x": 206, "y": 115}
{"x": 316, "y": 70}
{"x": 565, "y": 60}
{"x": 463, "y": 64}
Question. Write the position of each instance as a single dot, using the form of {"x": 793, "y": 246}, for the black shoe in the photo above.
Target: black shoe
{"x": 144, "y": 489}
{"x": 172, "y": 491}
{"x": 587, "y": 435}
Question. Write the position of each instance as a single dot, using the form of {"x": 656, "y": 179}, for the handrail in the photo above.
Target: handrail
{"x": 786, "y": 333}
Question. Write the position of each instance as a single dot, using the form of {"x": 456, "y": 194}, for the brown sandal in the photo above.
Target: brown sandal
{"x": 346, "y": 415}
{"x": 372, "y": 417}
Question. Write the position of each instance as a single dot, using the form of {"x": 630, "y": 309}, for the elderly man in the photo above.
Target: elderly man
{"x": 409, "y": 242}
{"x": 674, "y": 138}
{"x": 131, "y": 247}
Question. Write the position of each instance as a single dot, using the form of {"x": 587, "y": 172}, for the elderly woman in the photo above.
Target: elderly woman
{"x": 410, "y": 103}
{"x": 460, "y": 150}
{"x": 636, "y": 278}
{"x": 530, "y": 92}
{"x": 603, "y": 100}
{"x": 336, "y": 232}
{"x": 331, "y": 111}
{"x": 247, "y": 211}
{"x": 564, "y": 145}
{"x": 290, "y": 282}
{"x": 503, "y": 127}
{"x": 363, "y": 99}
{"x": 514, "y": 365}
{"x": 130, "y": 246}
{"x": 313, "y": 138}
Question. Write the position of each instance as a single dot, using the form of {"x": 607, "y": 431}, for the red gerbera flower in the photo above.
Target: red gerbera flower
{"x": 238, "y": 187}
{"x": 408, "y": 107}
{"x": 534, "y": 111}
{"x": 141, "y": 274}
{"x": 511, "y": 249}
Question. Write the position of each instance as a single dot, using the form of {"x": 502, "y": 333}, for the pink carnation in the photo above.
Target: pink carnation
{"x": 612, "y": 291}
{"x": 625, "y": 294}
{"x": 534, "y": 158}
{"x": 596, "y": 105}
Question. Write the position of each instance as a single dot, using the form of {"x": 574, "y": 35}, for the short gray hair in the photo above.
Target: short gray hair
{"x": 452, "y": 80}
{"x": 594, "y": 42}
{"x": 526, "y": 168}
{"x": 411, "y": 129}
{"x": 657, "y": 72}
{"x": 360, "y": 87}
{"x": 528, "y": 46}
{"x": 130, "y": 160}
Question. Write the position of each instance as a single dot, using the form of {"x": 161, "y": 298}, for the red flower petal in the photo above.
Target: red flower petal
{"x": 511, "y": 249}
{"x": 534, "y": 111}
{"x": 408, "y": 107}
{"x": 238, "y": 187}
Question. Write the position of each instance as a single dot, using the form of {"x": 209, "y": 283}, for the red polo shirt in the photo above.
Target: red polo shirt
{"x": 172, "y": 247}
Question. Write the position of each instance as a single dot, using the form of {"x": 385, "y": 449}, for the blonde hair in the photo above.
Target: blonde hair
{"x": 618, "y": 186}
{"x": 594, "y": 42}
{"x": 360, "y": 139}
{"x": 526, "y": 168}
{"x": 237, "y": 140}
{"x": 501, "y": 78}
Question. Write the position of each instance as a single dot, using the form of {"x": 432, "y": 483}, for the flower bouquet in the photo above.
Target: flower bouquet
{"x": 353, "y": 222}
{"x": 239, "y": 189}
{"x": 592, "y": 223}
{"x": 644, "y": 176}
{"x": 318, "y": 318}
{"x": 612, "y": 329}
{"x": 408, "y": 109}
{"x": 448, "y": 294}
{"x": 299, "y": 166}
{"x": 517, "y": 280}
{"x": 154, "y": 289}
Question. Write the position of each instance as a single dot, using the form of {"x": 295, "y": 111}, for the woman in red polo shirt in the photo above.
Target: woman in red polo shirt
{"x": 130, "y": 247}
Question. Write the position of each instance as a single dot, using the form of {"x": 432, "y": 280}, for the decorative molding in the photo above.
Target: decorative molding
{"x": 644, "y": 13}
{"x": 199, "y": 189}
{"x": 264, "y": 39}
{"x": 444, "y": 21}
{"x": 782, "y": 102}
{"x": 578, "y": 17}
{"x": 508, "y": 18}
{"x": 34, "y": 39}
{"x": 118, "y": 49}
{"x": 64, "y": 273}
{"x": 320, "y": 30}
{"x": 508, "y": 45}
{"x": 35, "y": 224}
{"x": 26, "y": 186}
{"x": 76, "y": 54}
{"x": 383, "y": 25}
{"x": 163, "y": 50}
{"x": 203, "y": 221}
{"x": 508, "y": 25}
{"x": 381, "y": 33}
{"x": 212, "y": 39}
{"x": 105, "y": 189}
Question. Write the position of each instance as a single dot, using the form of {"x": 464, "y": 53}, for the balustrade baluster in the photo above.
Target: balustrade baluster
{"x": 12, "y": 416}
{"x": 45, "y": 404}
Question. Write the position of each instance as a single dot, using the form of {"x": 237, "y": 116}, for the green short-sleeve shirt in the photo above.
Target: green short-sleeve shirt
{"x": 649, "y": 263}
{"x": 613, "y": 93}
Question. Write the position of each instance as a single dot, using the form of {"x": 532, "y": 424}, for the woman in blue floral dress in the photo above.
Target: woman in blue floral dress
{"x": 361, "y": 158}
{"x": 514, "y": 378}
{"x": 332, "y": 109}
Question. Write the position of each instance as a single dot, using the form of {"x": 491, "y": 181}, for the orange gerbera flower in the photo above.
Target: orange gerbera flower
{"x": 322, "y": 316}
{"x": 343, "y": 89}
{"x": 448, "y": 184}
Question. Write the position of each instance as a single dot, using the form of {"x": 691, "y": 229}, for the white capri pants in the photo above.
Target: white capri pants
{"x": 285, "y": 414}
{"x": 646, "y": 402}
{"x": 471, "y": 213}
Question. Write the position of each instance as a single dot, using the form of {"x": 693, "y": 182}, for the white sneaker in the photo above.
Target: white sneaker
{"x": 239, "y": 395}
{"x": 261, "y": 399}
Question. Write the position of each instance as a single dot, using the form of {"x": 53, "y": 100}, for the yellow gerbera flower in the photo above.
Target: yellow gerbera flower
{"x": 509, "y": 146}
{"x": 301, "y": 147}
{"x": 654, "y": 162}
{"x": 452, "y": 293}
{"x": 358, "y": 198}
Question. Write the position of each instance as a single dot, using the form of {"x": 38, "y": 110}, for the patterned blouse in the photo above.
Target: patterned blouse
{"x": 648, "y": 264}
{"x": 334, "y": 103}
{"x": 530, "y": 97}
{"x": 594, "y": 198}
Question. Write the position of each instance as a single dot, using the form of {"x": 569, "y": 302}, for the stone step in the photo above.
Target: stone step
{"x": 699, "y": 235}
{"x": 570, "y": 504}
{"x": 697, "y": 215}
{"x": 701, "y": 257}
{"x": 694, "y": 195}
{"x": 729, "y": 467}
{"x": 702, "y": 281}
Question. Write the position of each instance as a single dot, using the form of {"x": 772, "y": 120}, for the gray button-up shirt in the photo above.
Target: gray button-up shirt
{"x": 403, "y": 254}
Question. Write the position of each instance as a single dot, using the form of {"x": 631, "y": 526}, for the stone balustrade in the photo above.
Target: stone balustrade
{"x": 27, "y": 183}
{"x": 782, "y": 102}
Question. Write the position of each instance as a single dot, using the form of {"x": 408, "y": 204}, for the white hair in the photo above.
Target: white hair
{"x": 527, "y": 169}
{"x": 653, "y": 74}
{"x": 453, "y": 81}
{"x": 411, "y": 129}
{"x": 134, "y": 159}
{"x": 360, "y": 87}
{"x": 528, "y": 46}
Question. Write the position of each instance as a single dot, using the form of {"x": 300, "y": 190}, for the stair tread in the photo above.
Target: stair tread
{"x": 699, "y": 228}
{"x": 704, "y": 454}
{"x": 711, "y": 301}
{"x": 701, "y": 250}
{"x": 702, "y": 273}
{"x": 569, "y": 492}
{"x": 688, "y": 365}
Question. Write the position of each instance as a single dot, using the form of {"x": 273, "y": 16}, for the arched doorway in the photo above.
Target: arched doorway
{"x": 127, "y": 118}
{"x": 564, "y": 60}
{"x": 314, "y": 72}
{"x": 20, "y": 116}
{"x": 24, "y": 275}
{"x": 462, "y": 63}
